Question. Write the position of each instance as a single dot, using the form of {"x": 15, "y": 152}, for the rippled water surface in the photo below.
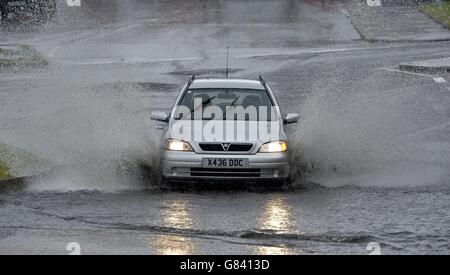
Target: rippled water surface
{"x": 371, "y": 152}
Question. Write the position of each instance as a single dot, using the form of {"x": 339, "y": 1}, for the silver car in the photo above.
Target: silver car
{"x": 248, "y": 143}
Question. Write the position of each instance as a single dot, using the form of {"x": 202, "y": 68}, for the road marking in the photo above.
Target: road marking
{"x": 107, "y": 61}
{"x": 395, "y": 70}
{"x": 331, "y": 50}
{"x": 304, "y": 52}
{"x": 439, "y": 80}
{"x": 324, "y": 51}
{"x": 443, "y": 126}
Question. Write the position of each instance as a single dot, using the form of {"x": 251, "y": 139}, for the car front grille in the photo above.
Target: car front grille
{"x": 211, "y": 147}
{"x": 232, "y": 147}
{"x": 225, "y": 173}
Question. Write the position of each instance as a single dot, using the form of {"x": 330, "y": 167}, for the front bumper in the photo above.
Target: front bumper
{"x": 188, "y": 165}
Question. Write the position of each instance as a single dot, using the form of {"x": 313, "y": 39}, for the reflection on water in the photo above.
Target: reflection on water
{"x": 277, "y": 216}
{"x": 176, "y": 214}
{"x": 274, "y": 250}
{"x": 174, "y": 245}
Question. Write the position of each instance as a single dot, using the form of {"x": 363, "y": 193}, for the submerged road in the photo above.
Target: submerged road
{"x": 371, "y": 150}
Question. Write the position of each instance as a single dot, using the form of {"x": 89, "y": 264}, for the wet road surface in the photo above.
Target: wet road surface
{"x": 321, "y": 220}
{"x": 371, "y": 152}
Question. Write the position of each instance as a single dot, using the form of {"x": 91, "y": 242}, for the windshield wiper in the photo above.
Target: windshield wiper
{"x": 232, "y": 105}
{"x": 204, "y": 104}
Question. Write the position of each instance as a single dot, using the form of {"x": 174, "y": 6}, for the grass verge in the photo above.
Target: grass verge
{"x": 20, "y": 56}
{"x": 4, "y": 172}
{"x": 440, "y": 13}
{"x": 17, "y": 163}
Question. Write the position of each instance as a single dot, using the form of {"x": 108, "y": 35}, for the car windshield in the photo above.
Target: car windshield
{"x": 226, "y": 104}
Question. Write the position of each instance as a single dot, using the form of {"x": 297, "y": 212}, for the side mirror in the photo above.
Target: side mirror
{"x": 291, "y": 118}
{"x": 160, "y": 116}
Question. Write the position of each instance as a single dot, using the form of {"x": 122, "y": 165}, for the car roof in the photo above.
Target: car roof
{"x": 231, "y": 83}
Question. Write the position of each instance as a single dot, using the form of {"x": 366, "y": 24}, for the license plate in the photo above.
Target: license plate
{"x": 224, "y": 163}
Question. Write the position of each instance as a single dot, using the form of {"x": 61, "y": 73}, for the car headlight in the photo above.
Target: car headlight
{"x": 274, "y": 147}
{"x": 177, "y": 145}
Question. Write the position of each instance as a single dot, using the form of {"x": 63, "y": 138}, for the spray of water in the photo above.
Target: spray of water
{"x": 372, "y": 139}
{"x": 98, "y": 136}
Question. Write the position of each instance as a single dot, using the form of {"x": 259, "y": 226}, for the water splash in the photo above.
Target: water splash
{"x": 97, "y": 138}
{"x": 372, "y": 139}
